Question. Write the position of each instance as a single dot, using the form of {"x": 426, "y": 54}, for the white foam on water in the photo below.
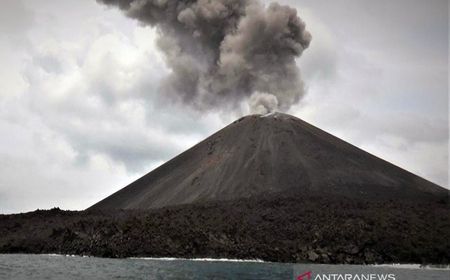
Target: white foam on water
{"x": 414, "y": 266}
{"x": 54, "y": 255}
{"x": 169, "y": 259}
{"x": 393, "y": 265}
{"x": 199, "y": 260}
{"x": 67, "y": 256}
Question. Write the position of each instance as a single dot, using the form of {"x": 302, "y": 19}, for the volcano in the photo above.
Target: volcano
{"x": 259, "y": 155}
{"x": 270, "y": 187}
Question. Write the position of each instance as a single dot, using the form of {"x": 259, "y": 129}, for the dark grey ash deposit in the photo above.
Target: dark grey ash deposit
{"x": 263, "y": 155}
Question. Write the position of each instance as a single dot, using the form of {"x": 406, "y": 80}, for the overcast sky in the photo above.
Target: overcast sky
{"x": 80, "y": 115}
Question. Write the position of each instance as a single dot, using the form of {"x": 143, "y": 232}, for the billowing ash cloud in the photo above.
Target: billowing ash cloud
{"x": 221, "y": 52}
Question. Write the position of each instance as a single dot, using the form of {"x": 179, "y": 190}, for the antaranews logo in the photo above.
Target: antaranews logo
{"x": 347, "y": 276}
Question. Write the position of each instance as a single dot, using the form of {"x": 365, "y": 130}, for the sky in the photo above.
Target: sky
{"x": 81, "y": 114}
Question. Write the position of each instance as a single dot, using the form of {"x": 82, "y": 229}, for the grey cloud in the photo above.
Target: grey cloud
{"x": 135, "y": 149}
{"x": 100, "y": 105}
{"x": 414, "y": 142}
{"x": 15, "y": 18}
{"x": 222, "y": 52}
{"x": 48, "y": 63}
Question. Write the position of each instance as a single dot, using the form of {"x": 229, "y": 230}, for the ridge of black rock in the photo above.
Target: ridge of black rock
{"x": 262, "y": 155}
{"x": 279, "y": 228}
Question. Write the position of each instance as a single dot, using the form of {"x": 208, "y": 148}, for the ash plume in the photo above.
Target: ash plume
{"x": 223, "y": 52}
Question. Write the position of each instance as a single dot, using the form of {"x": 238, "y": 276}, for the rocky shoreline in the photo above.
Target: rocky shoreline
{"x": 286, "y": 228}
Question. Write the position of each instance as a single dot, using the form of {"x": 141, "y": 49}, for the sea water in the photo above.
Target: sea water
{"x": 76, "y": 267}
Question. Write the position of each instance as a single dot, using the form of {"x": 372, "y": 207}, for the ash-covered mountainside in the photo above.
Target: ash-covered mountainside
{"x": 261, "y": 155}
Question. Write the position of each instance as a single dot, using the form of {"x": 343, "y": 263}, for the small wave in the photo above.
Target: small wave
{"x": 167, "y": 259}
{"x": 67, "y": 256}
{"x": 199, "y": 260}
{"x": 54, "y": 255}
{"x": 415, "y": 266}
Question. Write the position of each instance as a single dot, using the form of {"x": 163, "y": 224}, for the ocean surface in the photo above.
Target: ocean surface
{"x": 76, "y": 267}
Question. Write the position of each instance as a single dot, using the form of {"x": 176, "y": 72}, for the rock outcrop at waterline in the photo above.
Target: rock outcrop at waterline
{"x": 263, "y": 155}
{"x": 293, "y": 228}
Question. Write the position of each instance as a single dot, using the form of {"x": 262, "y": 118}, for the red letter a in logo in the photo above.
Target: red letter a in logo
{"x": 305, "y": 276}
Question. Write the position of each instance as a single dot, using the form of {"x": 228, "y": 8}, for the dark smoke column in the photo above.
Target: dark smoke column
{"x": 222, "y": 52}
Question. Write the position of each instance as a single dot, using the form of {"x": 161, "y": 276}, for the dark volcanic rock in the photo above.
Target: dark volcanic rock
{"x": 287, "y": 228}
{"x": 268, "y": 154}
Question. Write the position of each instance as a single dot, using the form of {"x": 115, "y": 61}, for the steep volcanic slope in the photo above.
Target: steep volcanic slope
{"x": 259, "y": 155}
